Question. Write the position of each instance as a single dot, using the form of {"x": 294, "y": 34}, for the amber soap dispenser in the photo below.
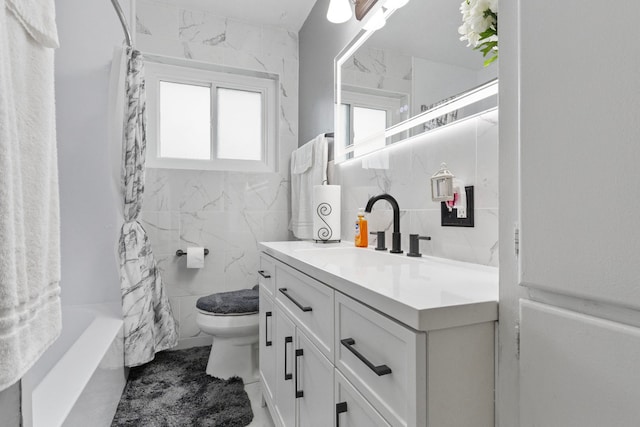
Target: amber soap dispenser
{"x": 362, "y": 232}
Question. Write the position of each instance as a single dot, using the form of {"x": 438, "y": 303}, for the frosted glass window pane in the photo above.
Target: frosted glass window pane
{"x": 239, "y": 124}
{"x": 185, "y": 121}
{"x": 368, "y": 129}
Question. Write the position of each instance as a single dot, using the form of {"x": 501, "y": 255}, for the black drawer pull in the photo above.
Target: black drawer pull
{"x": 264, "y": 274}
{"x": 267, "y": 343}
{"x": 379, "y": 370}
{"x": 300, "y": 306}
{"x": 341, "y": 408}
{"x": 299, "y": 353}
{"x": 287, "y": 340}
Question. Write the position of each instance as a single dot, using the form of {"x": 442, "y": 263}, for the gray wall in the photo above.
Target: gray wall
{"x": 10, "y": 406}
{"x": 320, "y": 42}
{"x": 89, "y": 202}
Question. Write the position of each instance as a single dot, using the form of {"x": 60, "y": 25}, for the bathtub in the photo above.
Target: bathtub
{"x": 79, "y": 379}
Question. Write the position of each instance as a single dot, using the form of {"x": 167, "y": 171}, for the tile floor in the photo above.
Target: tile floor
{"x": 261, "y": 416}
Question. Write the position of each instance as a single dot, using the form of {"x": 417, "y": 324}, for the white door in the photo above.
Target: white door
{"x": 313, "y": 377}
{"x": 267, "y": 346}
{"x": 579, "y": 239}
{"x": 285, "y": 400}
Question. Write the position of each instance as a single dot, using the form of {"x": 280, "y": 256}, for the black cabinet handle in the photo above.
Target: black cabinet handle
{"x": 379, "y": 370}
{"x": 287, "y": 340}
{"x": 267, "y": 315}
{"x": 264, "y": 274}
{"x": 341, "y": 408}
{"x": 299, "y": 353}
{"x": 300, "y": 306}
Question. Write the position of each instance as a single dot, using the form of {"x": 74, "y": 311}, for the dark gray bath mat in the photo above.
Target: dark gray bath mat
{"x": 174, "y": 390}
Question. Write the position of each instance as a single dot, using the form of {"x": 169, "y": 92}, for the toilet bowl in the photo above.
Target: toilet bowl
{"x": 235, "y": 344}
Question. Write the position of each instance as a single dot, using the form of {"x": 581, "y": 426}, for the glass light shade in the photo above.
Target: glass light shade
{"x": 395, "y": 4}
{"x": 339, "y": 11}
{"x": 376, "y": 22}
{"x": 442, "y": 185}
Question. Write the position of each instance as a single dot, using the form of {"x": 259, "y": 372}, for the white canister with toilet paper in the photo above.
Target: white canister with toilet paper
{"x": 326, "y": 213}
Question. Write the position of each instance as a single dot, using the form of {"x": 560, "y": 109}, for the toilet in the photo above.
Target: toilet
{"x": 232, "y": 319}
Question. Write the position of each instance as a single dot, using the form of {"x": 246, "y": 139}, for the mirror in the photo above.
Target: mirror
{"x": 409, "y": 77}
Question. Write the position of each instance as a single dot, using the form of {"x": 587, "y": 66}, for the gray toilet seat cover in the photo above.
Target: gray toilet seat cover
{"x": 234, "y": 302}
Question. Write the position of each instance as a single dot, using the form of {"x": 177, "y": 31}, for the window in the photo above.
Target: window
{"x": 207, "y": 118}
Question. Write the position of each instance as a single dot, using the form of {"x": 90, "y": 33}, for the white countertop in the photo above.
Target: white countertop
{"x": 425, "y": 293}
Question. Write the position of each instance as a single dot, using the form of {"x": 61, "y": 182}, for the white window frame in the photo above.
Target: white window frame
{"x": 390, "y": 104}
{"x": 183, "y": 74}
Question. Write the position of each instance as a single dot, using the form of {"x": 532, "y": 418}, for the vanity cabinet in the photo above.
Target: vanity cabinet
{"x": 296, "y": 376}
{"x": 338, "y": 358}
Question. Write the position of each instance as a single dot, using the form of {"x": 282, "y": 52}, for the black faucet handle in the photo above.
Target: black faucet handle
{"x": 414, "y": 244}
{"x": 380, "y": 240}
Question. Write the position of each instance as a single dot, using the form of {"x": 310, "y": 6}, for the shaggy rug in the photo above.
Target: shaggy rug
{"x": 174, "y": 390}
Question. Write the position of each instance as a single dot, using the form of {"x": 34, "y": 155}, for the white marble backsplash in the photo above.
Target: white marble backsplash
{"x": 226, "y": 212}
{"x": 470, "y": 149}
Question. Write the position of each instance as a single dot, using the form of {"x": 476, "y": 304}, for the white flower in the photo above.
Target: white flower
{"x": 474, "y": 21}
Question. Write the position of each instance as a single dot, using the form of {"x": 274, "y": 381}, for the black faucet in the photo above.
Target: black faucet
{"x": 395, "y": 246}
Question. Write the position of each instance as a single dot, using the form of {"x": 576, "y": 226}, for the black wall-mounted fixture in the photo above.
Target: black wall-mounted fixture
{"x": 450, "y": 218}
{"x": 180, "y": 252}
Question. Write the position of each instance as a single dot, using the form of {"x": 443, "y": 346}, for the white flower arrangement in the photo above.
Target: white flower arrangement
{"x": 480, "y": 27}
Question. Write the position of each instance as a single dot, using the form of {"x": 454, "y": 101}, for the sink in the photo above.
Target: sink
{"x": 352, "y": 256}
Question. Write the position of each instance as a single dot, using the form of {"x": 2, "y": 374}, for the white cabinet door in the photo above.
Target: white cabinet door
{"x": 579, "y": 227}
{"x": 583, "y": 374}
{"x": 267, "y": 345}
{"x": 353, "y": 410}
{"x": 383, "y": 359}
{"x": 313, "y": 376}
{"x": 285, "y": 398}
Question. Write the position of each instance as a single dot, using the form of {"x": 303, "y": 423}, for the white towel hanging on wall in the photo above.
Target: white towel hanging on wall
{"x": 308, "y": 168}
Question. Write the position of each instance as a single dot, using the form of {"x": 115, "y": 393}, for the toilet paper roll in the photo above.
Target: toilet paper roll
{"x": 195, "y": 257}
{"x": 326, "y": 212}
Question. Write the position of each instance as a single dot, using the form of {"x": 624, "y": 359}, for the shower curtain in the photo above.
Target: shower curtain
{"x": 149, "y": 326}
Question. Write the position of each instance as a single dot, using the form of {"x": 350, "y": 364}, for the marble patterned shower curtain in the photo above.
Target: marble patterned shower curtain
{"x": 149, "y": 325}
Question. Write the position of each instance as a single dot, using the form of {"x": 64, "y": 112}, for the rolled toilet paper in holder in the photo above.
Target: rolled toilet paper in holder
{"x": 195, "y": 256}
{"x": 326, "y": 213}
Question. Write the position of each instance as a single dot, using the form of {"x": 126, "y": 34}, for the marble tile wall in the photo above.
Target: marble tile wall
{"x": 470, "y": 149}
{"x": 227, "y": 212}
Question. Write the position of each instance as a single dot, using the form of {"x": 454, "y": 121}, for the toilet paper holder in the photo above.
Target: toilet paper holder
{"x": 180, "y": 252}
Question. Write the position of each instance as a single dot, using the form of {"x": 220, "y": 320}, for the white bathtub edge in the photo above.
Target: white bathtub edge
{"x": 55, "y": 396}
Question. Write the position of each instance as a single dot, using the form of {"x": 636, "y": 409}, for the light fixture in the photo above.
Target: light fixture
{"x": 442, "y": 185}
{"x": 339, "y": 11}
{"x": 376, "y": 22}
{"x": 470, "y": 97}
{"x": 395, "y": 4}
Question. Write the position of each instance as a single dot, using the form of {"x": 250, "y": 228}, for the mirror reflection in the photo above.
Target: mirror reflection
{"x": 413, "y": 64}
